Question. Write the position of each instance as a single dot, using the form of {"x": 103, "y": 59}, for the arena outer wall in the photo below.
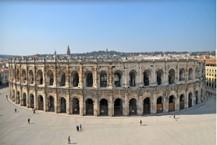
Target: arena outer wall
{"x": 106, "y": 88}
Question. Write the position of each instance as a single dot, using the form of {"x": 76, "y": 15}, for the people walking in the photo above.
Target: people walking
{"x": 69, "y": 140}
{"x": 174, "y": 115}
{"x": 15, "y": 110}
{"x": 77, "y": 127}
{"x": 28, "y": 120}
{"x": 140, "y": 122}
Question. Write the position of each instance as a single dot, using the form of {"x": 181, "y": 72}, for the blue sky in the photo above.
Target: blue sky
{"x": 150, "y": 25}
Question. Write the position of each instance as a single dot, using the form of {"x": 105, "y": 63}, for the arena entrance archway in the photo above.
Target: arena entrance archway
{"x": 40, "y": 103}
{"x": 18, "y": 97}
{"x": 118, "y": 108}
{"x": 75, "y": 106}
{"x": 51, "y": 104}
{"x": 146, "y": 106}
{"x": 62, "y": 105}
{"x": 132, "y": 107}
{"x": 181, "y": 102}
{"x": 159, "y": 104}
{"x": 89, "y": 107}
{"x": 196, "y": 97}
{"x": 24, "y": 99}
{"x": 31, "y": 99}
{"x": 190, "y": 100}
{"x": 171, "y": 103}
{"x": 103, "y": 107}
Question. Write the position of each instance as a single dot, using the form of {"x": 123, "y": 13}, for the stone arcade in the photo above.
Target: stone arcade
{"x": 106, "y": 87}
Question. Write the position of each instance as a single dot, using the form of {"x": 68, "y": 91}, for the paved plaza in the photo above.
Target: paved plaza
{"x": 195, "y": 126}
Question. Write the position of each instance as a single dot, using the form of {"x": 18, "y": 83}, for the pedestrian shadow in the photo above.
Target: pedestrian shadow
{"x": 73, "y": 143}
{"x": 143, "y": 125}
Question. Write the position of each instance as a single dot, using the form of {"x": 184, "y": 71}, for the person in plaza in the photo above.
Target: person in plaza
{"x": 28, "y": 120}
{"x": 15, "y": 110}
{"x": 140, "y": 122}
{"x": 174, "y": 115}
{"x": 77, "y": 127}
{"x": 69, "y": 140}
{"x": 7, "y": 97}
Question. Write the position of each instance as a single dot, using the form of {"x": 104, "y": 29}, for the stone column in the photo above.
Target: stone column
{"x": 96, "y": 106}
{"x": 95, "y": 77}
{"x": 110, "y": 107}
{"x": 186, "y": 99}
{"x": 45, "y": 103}
{"x": 35, "y": 100}
{"x": 110, "y": 76}
{"x": 177, "y": 103}
{"x": 82, "y": 106}
{"x": 153, "y": 103}
{"x": 125, "y": 77}
{"x": 140, "y": 105}
{"x": 126, "y": 106}
{"x": 139, "y": 80}
{"x": 68, "y": 104}
{"x": 57, "y": 104}
{"x": 165, "y": 104}
{"x": 81, "y": 76}
{"x": 153, "y": 80}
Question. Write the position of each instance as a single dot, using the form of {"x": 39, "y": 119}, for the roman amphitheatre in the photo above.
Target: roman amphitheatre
{"x": 108, "y": 98}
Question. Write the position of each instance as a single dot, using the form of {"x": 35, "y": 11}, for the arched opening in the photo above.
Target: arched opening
{"x": 39, "y": 77}
{"x": 171, "y": 76}
{"x": 62, "y": 105}
{"x": 190, "y": 74}
{"x": 89, "y": 107}
{"x": 182, "y": 102}
{"x": 196, "y": 97}
{"x": 31, "y": 99}
{"x": 31, "y": 77}
{"x": 118, "y": 108}
{"x": 24, "y": 99}
{"x": 62, "y": 79}
{"x": 23, "y": 76}
{"x": 17, "y": 75}
{"x": 50, "y": 78}
{"x": 18, "y": 97}
{"x": 197, "y": 73}
{"x": 159, "y": 104}
{"x": 159, "y": 75}
{"x": 75, "y": 106}
{"x": 117, "y": 79}
{"x": 103, "y": 79}
{"x": 132, "y": 107}
{"x": 171, "y": 103}
{"x": 190, "y": 100}
{"x": 146, "y": 106}
{"x": 146, "y": 76}
{"x": 75, "y": 79}
{"x": 51, "y": 104}
{"x": 132, "y": 80}
{"x": 182, "y": 74}
{"x": 103, "y": 107}
{"x": 40, "y": 103}
{"x": 89, "y": 79}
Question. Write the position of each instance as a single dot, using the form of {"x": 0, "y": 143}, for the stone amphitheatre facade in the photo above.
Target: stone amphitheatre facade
{"x": 106, "y": 87}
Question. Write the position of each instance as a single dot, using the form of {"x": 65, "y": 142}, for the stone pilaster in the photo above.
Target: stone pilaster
{"x": 153, "y": 103}
{"x": 96, "y": 107}
{"x": 110, "y": 106}
{"x": 140, "y": 106}
{"x": 82, "y": 106}
{"x": 165, "y": 104}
